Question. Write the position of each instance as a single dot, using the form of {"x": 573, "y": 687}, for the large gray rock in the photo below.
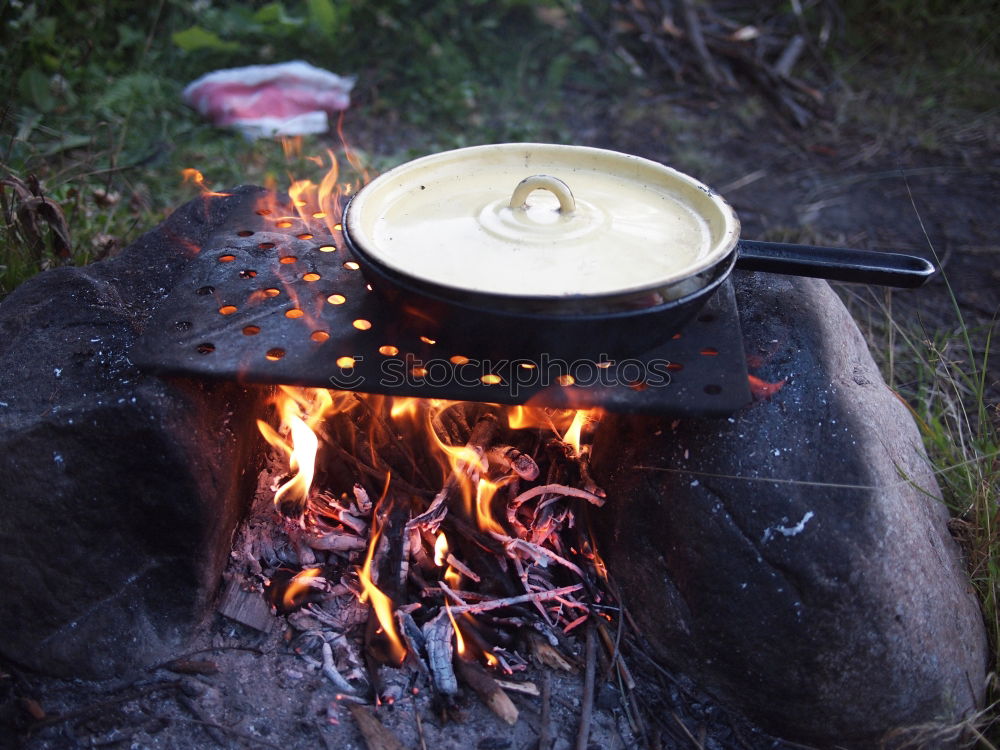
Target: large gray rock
{"x": 118, "y": 491}
{"x": 795, "y": 559}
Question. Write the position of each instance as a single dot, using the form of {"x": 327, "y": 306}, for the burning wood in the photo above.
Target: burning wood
{"x": 464, "y": 554}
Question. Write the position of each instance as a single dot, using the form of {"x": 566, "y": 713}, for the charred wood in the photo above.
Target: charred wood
{"x": 377, "y": 735}
{"x": 487, "y": 689}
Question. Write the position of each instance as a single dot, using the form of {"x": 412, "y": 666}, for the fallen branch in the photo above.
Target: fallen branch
{"x": 511, "y": 458}
{"x": 462, "y": 568}
{"x": 616, "y": 658}
{"x": 547, "y": 654}
{"x": 336, "y": 541}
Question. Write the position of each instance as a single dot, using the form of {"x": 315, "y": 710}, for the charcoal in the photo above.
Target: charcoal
{"x": 829, "y": 614}
{"x": 119, "y": 490}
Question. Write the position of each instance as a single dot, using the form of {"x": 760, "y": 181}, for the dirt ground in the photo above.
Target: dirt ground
{"x": 855, "y": 183}
{"x": 264, "y": 695}
{"x": 929, "y": 192}
{"x": 240, "y": 685}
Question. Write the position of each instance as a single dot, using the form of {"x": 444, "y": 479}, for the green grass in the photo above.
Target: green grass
{"x": 92, "y": 107}
{"x": 944, "y": 377}
{"x": 943, "y": 61}
{"x": 923, "y": 70}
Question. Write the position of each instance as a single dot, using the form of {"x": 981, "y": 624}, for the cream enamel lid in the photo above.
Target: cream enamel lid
{"x": 587, "y": 222}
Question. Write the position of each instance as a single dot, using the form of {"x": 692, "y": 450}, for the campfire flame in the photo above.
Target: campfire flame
{"x": 298, "y": 586}
{"x": 476, "y": 481}
{"x": 301, "y": 411}
{"x": 459, "y": 640}
{"x": 440, "y": 550}
{"x": 572, "y": 436}
{"x": 195, "y": 177}
{"x": 452, "y": 577}
{"x": 485, "y": 491}
{"x": 380, "y": 602}
{"x": 488, "y": 492}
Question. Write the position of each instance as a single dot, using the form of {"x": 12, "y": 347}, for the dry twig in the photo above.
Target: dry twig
{"x": 511, "y": 600}
{"x": 544, "y": 738}
{"x": 587, "y": 701}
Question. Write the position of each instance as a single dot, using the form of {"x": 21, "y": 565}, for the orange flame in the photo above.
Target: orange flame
{"x": 528, "y": 417}
{"x": 329, "y": 203}
{"x": 352, "y": 157}
{"x": 301, "y": 410}
{"x": 291, "y": 145}
{"x": 452, "y": 577}
{"x": 298, "y": 585}
{"x": 572, "y": 436}
{"x": 459, "y": 640}
{"x": 458, "y": 461}
{"x": 484, "y": 496}
{"x": 567, "y": 422}
{"x": 380, "y": 602}
{"x": 197, "y": 178}
{"x": 402, "y": 407}
{"x": 440, "y": 549}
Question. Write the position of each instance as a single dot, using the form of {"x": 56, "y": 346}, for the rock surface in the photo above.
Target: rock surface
{"x": 119, "y": 491}
{"x": 795, "y": 559}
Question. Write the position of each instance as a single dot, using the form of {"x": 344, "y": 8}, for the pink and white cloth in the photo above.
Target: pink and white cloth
{"x": 292, "y": 98}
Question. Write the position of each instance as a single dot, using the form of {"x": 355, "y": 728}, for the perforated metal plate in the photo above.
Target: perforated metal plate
{"x": 276, "y": 299}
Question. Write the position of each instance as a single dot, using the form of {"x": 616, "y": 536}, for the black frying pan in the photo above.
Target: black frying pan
{"x": 480, "y": 319}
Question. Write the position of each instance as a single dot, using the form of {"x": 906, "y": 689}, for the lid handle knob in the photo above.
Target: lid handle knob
{"x": 567, "y": 204}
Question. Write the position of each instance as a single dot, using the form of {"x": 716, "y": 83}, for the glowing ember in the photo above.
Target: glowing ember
{"x": 761, "y": 389}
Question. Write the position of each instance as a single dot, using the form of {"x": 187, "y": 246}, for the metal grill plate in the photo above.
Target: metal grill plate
{"x": 258, "y": 304}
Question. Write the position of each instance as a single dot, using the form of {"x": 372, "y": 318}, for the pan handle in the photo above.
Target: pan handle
{"x": 834, "y": 263}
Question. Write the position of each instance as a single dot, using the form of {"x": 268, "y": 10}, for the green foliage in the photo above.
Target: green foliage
{"x": 945, "y": 52}
{"x": 428, "y": 62}
{"x": 944, "y": 376}
{"x": 940, "y": 29}
{"x": 196, "y": 38}
{"x": 92, "y": 105}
